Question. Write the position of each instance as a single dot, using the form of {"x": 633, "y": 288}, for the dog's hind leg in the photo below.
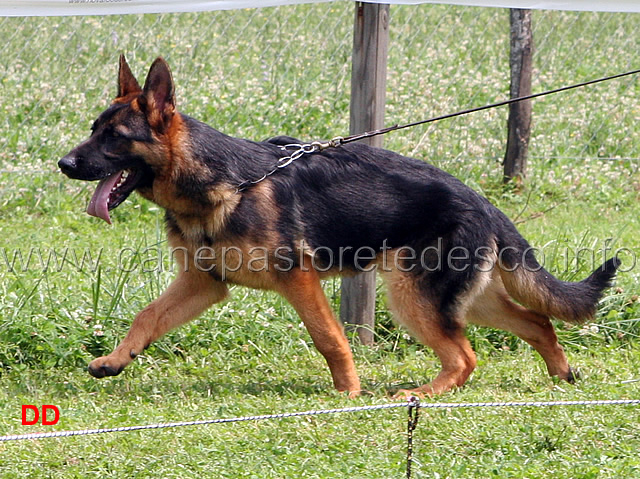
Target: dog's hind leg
{"x": 186, "y": 297}
{"x": 444, "y": 335}
{"x": 495, "y": 309}
{"x": 302, "y": 288}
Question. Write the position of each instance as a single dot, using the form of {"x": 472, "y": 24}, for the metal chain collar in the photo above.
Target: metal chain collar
{"x": 301, "y": 149}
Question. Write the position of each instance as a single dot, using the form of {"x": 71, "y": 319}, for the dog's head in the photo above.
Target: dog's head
{"x": 128, "y": 145}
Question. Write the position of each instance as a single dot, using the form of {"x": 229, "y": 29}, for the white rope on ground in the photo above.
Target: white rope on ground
{"x": 410, "y": 403}
{"x": 601, "y": 402}
{"x": 86, "y": 432}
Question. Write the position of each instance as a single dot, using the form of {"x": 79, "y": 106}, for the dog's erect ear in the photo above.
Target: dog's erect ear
{"x": 127, "y": 83}
{"x": 158, "y": 98}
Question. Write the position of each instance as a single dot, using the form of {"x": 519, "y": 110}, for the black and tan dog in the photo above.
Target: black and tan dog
{"x": 448, "y": 256}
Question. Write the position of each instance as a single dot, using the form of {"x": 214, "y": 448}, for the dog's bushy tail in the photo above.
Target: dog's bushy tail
{"x": 531, "y": 285}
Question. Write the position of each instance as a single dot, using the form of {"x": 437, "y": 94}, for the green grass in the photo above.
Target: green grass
{"x": 258, "y": 73}
{"x": 527, "y": 442}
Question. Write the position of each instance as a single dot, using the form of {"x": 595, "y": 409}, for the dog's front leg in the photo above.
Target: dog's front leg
{"x": 303, "y": 290}
{"x": 186, "y": 297}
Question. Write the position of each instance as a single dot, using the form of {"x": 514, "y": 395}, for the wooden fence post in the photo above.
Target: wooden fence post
{"x": 368, "y": 88}
{"x": 519, "y": 123}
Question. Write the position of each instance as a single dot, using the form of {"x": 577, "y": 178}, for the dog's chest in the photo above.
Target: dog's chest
{"x": 195, "y": 244}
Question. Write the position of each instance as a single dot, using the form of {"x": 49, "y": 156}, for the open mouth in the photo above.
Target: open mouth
{"x": 112, "y": 191}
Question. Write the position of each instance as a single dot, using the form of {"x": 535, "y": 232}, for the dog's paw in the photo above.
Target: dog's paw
{"x": 359, "y": 393}
{"x": 574, "y": 375}
{"x": 422, "y": 392}
{"x": 101, "y": 367}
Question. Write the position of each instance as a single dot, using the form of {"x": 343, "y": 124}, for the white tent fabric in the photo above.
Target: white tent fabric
{"x": 107, "y": 7}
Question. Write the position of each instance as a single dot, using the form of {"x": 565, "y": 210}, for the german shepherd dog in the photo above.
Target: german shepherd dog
{"x": 447, "y": 255}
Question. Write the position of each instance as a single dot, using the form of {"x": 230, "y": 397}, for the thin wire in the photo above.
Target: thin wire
{"x": 600, "y": 402}
{"x": 86, "y": 432}
{"x": 382, "y": 131}
{"x": 308, "y": 148}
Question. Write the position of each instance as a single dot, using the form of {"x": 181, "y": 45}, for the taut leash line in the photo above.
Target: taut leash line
{"x": 316, "y": 146}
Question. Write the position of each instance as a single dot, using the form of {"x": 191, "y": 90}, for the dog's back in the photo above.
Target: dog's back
{"x": 448, "y": 256}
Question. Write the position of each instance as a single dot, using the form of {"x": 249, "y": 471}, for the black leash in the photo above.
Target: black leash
{"x": 382, "y": 131}
{"x": 316, "y": 146}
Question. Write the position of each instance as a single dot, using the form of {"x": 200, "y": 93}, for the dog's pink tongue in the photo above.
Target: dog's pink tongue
{"x": 99, "y": 204}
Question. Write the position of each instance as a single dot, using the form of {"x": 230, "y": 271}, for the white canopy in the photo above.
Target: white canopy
{"x": 107, "y": 7}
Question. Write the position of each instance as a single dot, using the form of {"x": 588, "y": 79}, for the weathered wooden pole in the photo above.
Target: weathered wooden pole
{"x": 368, "y": 88}
{"x": 519, "y": 123}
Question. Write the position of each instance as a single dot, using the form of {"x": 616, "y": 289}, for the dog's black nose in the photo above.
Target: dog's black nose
{"x": 67, "y": 164}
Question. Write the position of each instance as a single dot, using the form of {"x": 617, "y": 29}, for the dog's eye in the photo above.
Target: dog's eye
{"x": 115, "y": 134}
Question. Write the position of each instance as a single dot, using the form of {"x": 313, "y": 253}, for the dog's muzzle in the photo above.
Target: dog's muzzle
{"x": 68, "y": 165}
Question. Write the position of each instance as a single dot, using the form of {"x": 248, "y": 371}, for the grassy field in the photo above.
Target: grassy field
{"x": 70, "y": 285}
